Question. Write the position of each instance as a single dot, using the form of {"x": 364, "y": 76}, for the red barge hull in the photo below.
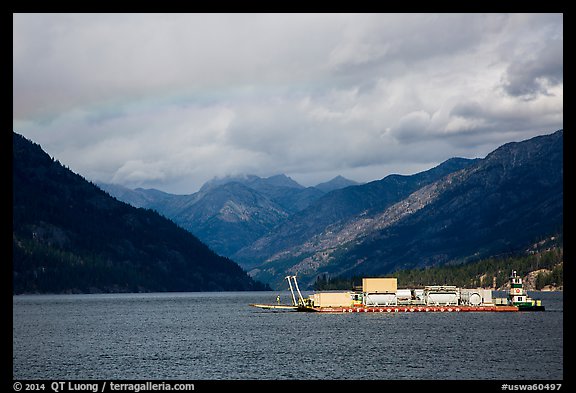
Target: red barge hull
{"x": 404, "y": 309}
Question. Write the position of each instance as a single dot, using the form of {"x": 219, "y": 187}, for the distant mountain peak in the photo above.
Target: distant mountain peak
{"x": 336, "y": 183}
{"x": 280, "y": 180}
{"x": 283, "y": 180}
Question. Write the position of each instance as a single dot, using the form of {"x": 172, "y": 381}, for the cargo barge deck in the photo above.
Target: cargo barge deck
{"x": 382, "y": 295}
{"x": 408, "y": 309}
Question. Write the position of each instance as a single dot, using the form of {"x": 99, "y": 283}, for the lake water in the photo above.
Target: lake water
{"x": 217, "y": 336}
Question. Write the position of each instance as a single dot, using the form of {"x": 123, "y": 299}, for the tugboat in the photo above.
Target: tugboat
{"x": 519, "y": 298}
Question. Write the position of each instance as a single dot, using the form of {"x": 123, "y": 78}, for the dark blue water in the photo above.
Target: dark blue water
{"x": 208, "y": 336}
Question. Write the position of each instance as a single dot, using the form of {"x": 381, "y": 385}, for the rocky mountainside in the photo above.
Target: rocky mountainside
{"x": 228, "y": 213}
{"x": 226, "y": 217}
{"x": 497, "y": 205}
{"x": 331, "y": 214}
{"x": 280, "y": 189}
{"x": 70, "y": 236}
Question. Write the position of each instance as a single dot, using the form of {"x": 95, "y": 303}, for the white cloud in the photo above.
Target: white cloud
{"x": 171, "y": 100}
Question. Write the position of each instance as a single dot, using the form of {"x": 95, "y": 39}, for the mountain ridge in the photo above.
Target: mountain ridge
{"x": 69, "y": 236}
{"x": 340, "y": 205}
{"x": 466, "y": 214}
{"x": 231, "y": 212}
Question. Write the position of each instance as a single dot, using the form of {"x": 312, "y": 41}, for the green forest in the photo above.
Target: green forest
{"x": 69, "y": 236}
{"x": 486, "y": 273}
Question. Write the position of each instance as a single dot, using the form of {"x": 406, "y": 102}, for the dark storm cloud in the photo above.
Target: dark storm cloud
{"x": 537, "y": 72}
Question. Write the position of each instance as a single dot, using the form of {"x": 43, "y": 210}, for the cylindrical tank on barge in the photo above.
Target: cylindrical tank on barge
{"x": 404, "y": 294}
{"x": 475, "y": 299}
{"x": 419, "y": 294}
{"x": 471, "y": 297}
{"x": 441, "y": 295}
{"x": 380, "y": 299}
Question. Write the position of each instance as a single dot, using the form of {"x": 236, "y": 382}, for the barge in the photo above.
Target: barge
{"x": 382, "y": 295}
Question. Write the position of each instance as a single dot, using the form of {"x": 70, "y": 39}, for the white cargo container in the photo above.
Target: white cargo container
{"x": 419, "y": 293}
{"x": 487, "y": 296}
{"x": 404, "y": 294}
{"x": 475, "y": 299}
{"x": 380, "y": 299}
{"x": 471, "y": 297}
{"x": 439, "y": 299}
{"x": 441, "y": 295}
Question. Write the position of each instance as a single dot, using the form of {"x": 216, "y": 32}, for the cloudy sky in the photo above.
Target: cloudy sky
{"x": 170, "y": 101}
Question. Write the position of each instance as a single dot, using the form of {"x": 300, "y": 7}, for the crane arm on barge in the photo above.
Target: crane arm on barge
{"x": 296, "y": 305}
